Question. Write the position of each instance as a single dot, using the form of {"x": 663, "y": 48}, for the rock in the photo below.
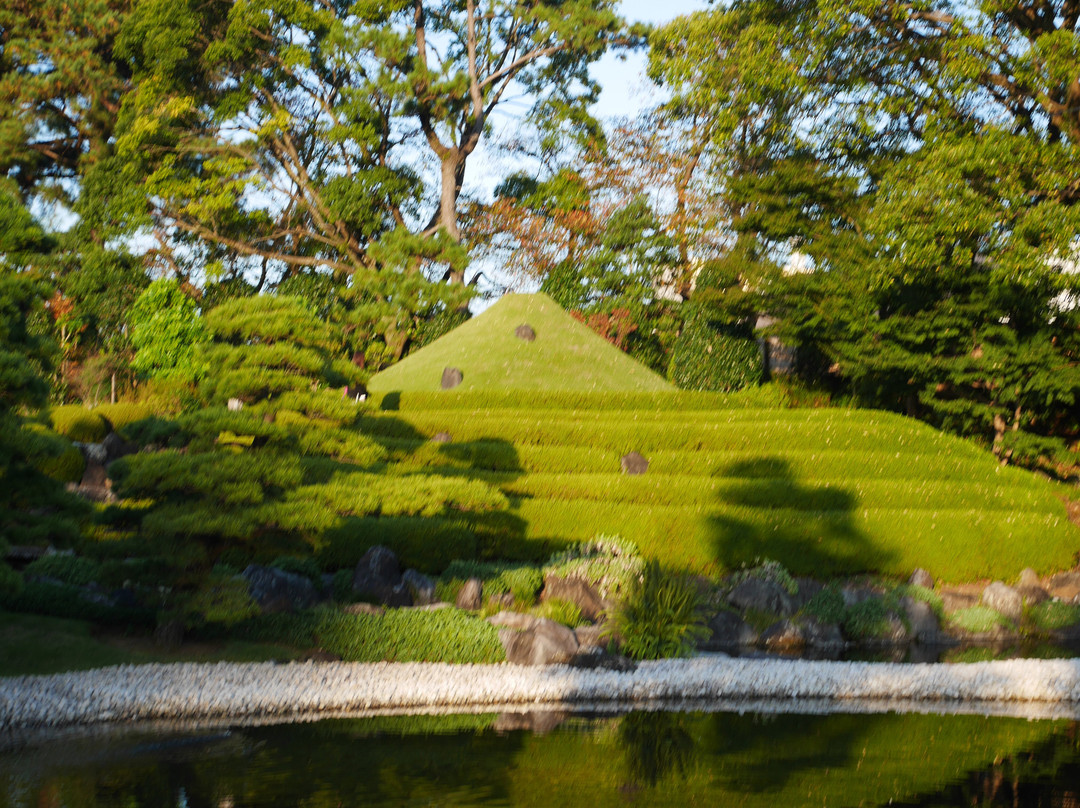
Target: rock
{"x": 823, "y": 636}
{"x": 234, "y": 405}
{"x": 634, "y": 463}
{"x": 594, "y": 658}
{"x": 279, "y": 591}
{"x": 442, "y": 437}
{"x": 421, "y": 588}
{"x": 762, "y": 596}
{"x": 95, "y": 484}
{"x": 1028, "y": 577}
{"x": 924, "y": 624}
{"x": 364, "y": 608}
{"x": 854, "y": 595}
{"x": 503, "y": 601}
{"x": 1004, "y": 600}
{"x": 808, "y": 588}
{"x": 451, "y": 378}
{"x": 378, "y": 576}
{"x": 116, "y": 447}
{"x": 514, "y": 620}
{"x": 525, "y": 332}
{"x": 538, "y": 723}
{"x": 545, "y": 643}
{"x": 1064, "y": 586}
{"x": 729, "y": 631}
{"x": 93, "y": 452}
{"x": 576, "y": 590}
{"x": 471, "y": 596}
{"x": 590, "y": 637}
{"x": 921, "y": 578}
{"x": 784, "y": 635}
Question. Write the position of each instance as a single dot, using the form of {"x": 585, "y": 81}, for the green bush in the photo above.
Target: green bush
{"x": 122, "y": 413}
{"x": 703, "y": 358}
{"x": 610, "y": 563}
{"x": 305, "y": 567}
{"x": 70, "y": 569}
{"x": 866, "y": 620}
{"x": 76, "y": 422}
{"x": 55, "y": 457}
{"x": 827, "y": 605}
{"x": 922, "y": 593}
{"x": 397, "y": 635}
{"x": 978, "y": 620}
{"x": 39, "y": 597}
{"x": 221, "y": 598}
{"x": 772, "y": 572}
{"x": 11, "y": 583}
{"x": 427, "y": 545}
{"x": 661, "y": 616}
{"x": 341, "y": 587}
{"x": 562, "y": 611}
{"x": 520, "y": 580}
{"x": 1052, "y": 615}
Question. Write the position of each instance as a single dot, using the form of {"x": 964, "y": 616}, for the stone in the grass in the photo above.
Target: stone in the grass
{"x": 471, "y": 596}
{"x": 634, "y": 463}
{"x": 921, "y": 578}
{"x": 525, "y": 332}
{"x": 1004, "y": 600}
{"x": 451, "y": 378}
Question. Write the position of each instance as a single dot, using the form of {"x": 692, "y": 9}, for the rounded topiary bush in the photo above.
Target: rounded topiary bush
{"x": 75, "y": 422}
{"x": 706, "y": 359}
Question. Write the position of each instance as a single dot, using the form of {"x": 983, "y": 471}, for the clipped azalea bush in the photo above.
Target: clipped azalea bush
{"x": 76, "y": 422}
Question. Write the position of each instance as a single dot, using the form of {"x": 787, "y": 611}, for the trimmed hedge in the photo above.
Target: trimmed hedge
{"x": 405, "y": 635}
{"x": 122, "y": 413}
{"x": 705, "y": 359}
{"x": 76, "y": 422}
{"x": 56, "y": 457}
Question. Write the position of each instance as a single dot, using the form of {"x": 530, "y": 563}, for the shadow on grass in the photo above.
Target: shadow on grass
{"x": 768, "y": 513}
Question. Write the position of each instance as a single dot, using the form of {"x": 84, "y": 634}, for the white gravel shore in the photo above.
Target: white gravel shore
{"x": 267, "y": 691}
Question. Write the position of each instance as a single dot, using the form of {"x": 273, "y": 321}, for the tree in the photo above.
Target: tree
{"x": 168, "y": 334}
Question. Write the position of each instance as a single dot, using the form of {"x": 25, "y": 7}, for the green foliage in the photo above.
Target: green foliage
{"x": 427, "y": 545}
{"x": 1052, "y": 615}
{"x": 168, "y": 334}
{"x": 221, "y": 598}
{"x": 866, "y": 619}
{"x": 305, "y": 567}
{"x": 38, "y": 597}
{"x": 341, "y": 586}
{"x": 562, "y": 611}
{"x": 771, "y": 571}
{"x": 978, "y": 620}
{"x": 55, "y": 457}
{"x": 77, "y": 423}
{"x": 66, "y": 568}
{"x": 706, "y": 359}
{"x": 827, "y": 605}
{"x": 124, "y": 413}
{"x": 11, "y": 583}
{"x": 609, "y": 563}
{"x": 520, "y": 580}
{"x": 405, "y": 635}
{"x": 660, "y": 616}
{"x": 922, "y": 593}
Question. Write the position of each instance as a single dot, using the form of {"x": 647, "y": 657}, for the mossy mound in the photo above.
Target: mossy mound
{"x": 564, "y": 355}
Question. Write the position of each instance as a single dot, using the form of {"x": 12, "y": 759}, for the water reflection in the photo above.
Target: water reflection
{"x": 552, "y": 759}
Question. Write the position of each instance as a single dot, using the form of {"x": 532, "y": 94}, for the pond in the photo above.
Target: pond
{"x": 554, "y": 759}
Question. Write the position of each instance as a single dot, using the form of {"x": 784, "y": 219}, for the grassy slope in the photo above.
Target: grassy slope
{"x": 565, "y": 355}
{"x": 823, "y": 491}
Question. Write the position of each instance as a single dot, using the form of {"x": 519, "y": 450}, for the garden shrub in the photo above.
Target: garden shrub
{"x": 77, "y": 423}
{"x": 703, "y": 358}
{"x": 221, "y": 598}
{"x": 562, "y": 611}
{"x": 427, "y": 545}
{"x": 70, "y": 569}
{"x": 122, "y": 413}
{"x": 866, "y": 620}
{"x": 1052, "y": 615}
{"x": 827, "y": 605}
{"x": 11, "y": 583}
{"x": 52, "y": 600}
{"x": 772, "y": 572}
{"x": 609, "y": 563}
{"x": 341, "y": 587}
{"x": 524, "y": 582}
{"x": 660, "y": 617}
{"x": 54, "y": 455}
{"x": 978, "y": 620}
{"x": 924, "y": 594}
{"x": 397, "y": 635}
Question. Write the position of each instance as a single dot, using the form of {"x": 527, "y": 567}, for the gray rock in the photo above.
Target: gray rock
{"x": 471, "y": 596}
{"x": 1028, "y": 577}
{"x": 808, "y": 588}
{"x": 279, "y": 591}
{"x": 921, "y": 578}
{"x": 762, "y": 596}
{"x": 451, "y": 378}
{"x": 634, "y": 463}
{"x": 234, "y": 405}
{"x": 1064, "y": 586}
{"x": 576, "y": 590}
{"x": 95, "y": 484}
{"x": 1004, "y": 600}
{"x": 924, "y": 624}
{"x": 729, "y": 631}
{"x": 784, "y": 635}
{"x": 364, "y": 608}
{"x": 823, "y": 636}
{"x": 116, "y": 447}
{"x": 93, "y": 452}
{"x": 590, "y": 637}
{"x": 378, "y": 575}
{"x": 525, "y": 332}
{"x": 514, "y": 620}
{"x": 545, "y": 643}
{"x": 442, "y": 437}
{"x": 421, "y": 588}
{"x": 594, "y": 658}
{"x": 854, "y": 595}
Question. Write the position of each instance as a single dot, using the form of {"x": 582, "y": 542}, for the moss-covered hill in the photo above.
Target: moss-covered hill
{"x": 730, "y": 480}
{"x": 565, "y": 355}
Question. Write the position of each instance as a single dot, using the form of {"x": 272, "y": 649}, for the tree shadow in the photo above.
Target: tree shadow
{"x": 768, "y": 513}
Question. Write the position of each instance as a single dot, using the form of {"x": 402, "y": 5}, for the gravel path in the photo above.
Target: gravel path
{"x": 267, "y": 691}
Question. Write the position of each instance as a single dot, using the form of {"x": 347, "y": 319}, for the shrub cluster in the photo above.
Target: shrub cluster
{"x": 75, "y": 422}
{"x": 522, "y": 581}
{"x": 706, "y": 359}
{"x": 660, "y": 617}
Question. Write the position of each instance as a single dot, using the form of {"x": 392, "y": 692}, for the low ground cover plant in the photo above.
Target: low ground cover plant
{"x": 660, "y": 616}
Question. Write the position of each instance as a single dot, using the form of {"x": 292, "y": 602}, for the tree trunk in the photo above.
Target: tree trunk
{"x": 453, "y": 169}
{"x": 112, "y": 388}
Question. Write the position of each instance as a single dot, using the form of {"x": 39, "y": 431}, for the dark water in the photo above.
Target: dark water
{"x": 659, "y": 758}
